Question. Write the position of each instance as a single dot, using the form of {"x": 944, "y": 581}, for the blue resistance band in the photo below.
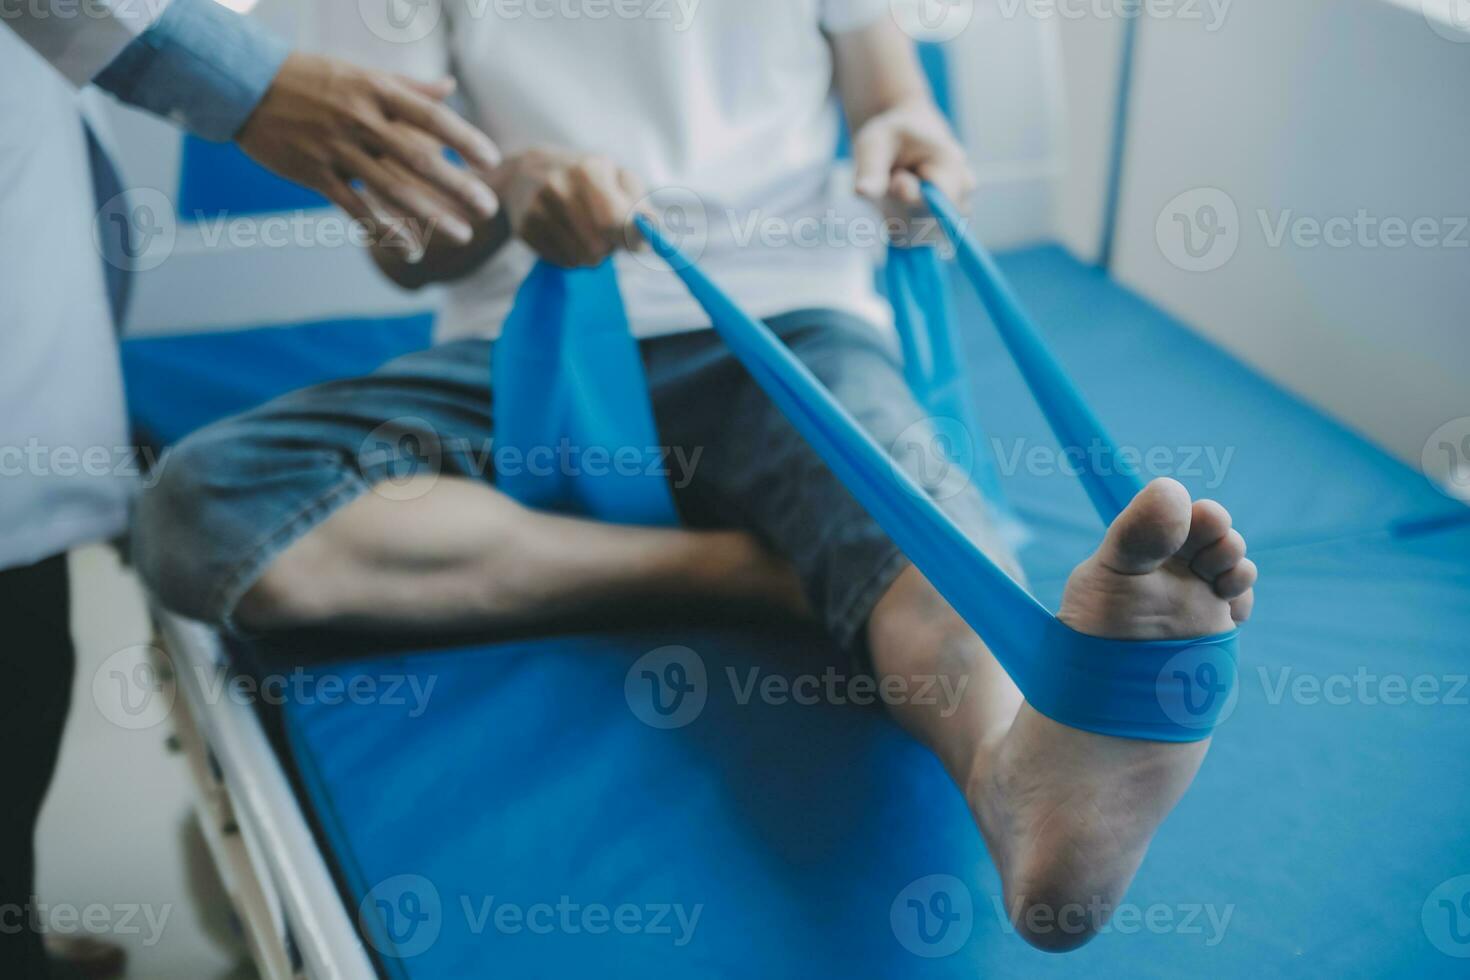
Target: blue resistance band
{"x": 1170, "y": 690}
{"x": 574, "y": 428}
{"x": 934, "y": 367}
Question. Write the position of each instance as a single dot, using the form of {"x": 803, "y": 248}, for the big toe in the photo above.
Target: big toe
{"x": 1150, "y": 530}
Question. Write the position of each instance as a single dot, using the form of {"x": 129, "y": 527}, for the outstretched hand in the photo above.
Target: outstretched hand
{"x": 342, "y": 130}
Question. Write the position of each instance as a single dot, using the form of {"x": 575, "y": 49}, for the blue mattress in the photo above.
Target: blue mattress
{"x": 525, "y": 821}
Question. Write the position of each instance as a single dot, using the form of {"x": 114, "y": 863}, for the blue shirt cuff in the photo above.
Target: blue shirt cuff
{"x": 200, "y": 66}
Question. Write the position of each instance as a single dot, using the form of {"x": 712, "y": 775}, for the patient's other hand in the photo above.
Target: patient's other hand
{"x": 325, "y": 123}
{"x": 897, "y": 148}
{"x": 571, "y": 209}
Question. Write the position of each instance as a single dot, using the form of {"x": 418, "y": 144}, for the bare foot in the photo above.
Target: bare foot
{"x": 1068, "y": 814}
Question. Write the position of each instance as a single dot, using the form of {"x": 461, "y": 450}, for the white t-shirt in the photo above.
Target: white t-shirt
{"x": 724, "y": 108}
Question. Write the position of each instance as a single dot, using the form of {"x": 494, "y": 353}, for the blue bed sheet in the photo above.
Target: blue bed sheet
{"x": 1289, "y": 473}
{"x": 1311, "y": 843}
{"x": 1321, "y": 837}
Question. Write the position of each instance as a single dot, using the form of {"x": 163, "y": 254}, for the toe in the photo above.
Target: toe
{"x": 1241, "y": 606}
{"x": 1237, "y": 581}
{"x": 1209, "y": 521}
{"x": 1217, "y": 559}
{"x": 1152, "y": 528}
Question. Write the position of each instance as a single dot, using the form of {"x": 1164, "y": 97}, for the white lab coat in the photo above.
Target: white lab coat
{"x": 64, "y": 462}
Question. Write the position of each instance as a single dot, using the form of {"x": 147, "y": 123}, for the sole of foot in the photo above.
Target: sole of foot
{"x": 1068, "y": 815}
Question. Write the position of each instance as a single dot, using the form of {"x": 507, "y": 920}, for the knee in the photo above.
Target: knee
{"x": 196, "y": 538}
{"x": 168, "y": 522}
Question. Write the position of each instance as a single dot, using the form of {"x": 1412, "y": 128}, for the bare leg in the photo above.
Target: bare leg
{"x": 1068, "y": 815}
{"x": 463, "y": 556}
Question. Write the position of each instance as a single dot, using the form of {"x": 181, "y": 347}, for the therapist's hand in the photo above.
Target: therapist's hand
{"x": 571, "y": 209}
{"x": 325, "y": 123}
{"x": 897, "y": 148}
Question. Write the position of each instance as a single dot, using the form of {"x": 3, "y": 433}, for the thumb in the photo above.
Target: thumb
{"x": 874, "y": 152}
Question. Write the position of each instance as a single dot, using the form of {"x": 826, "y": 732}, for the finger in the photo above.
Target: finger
{"x": 873, "y": 155}
{"x": 340, "y": 192}
{"x": 1241, "y": 606}
{"x": 416, "y": 231}
{"x": 904, "y": 188}
{"x": 633, "y": 188}
{"x": 548, "y": 236}
{"x": 951, "y": 175}
{"x": 602, "y": 204}
{"x": 424, "y": 156}
{"x": 443, "y": 124}
{"x": 370, "y": 213}
{"x": 403, "y": 192}
{"x": 438, "y": 88}
{"x": 560, "y": 202}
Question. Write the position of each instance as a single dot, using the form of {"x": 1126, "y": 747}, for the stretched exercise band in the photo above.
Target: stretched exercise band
{"x": 1171, "y": 690}
{"x": 574, "y": 429}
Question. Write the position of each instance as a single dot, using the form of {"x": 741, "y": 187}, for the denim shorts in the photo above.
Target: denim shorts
{"x": 233, "y": 496}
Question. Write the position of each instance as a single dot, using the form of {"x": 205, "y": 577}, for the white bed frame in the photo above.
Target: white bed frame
{"x": 282, "y": 891}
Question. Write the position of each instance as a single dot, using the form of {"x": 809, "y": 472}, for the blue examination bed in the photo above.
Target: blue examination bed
{"x": 522, "y": 820}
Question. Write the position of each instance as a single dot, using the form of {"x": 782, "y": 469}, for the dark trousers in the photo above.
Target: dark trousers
{"x": 35, "y": 694}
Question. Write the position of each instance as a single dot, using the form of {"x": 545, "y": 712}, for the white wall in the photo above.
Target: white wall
{"x": 1309, "y": 108}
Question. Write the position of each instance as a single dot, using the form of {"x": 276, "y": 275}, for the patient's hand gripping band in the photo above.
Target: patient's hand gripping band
{"x": 1173, "y": 690}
